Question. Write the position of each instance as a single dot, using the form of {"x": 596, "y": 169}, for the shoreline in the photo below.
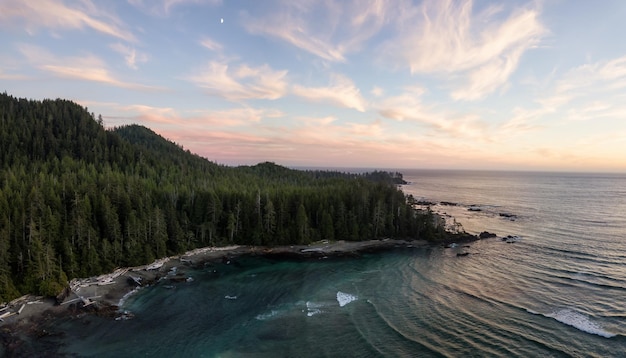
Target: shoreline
{"x": 105, "y": 295}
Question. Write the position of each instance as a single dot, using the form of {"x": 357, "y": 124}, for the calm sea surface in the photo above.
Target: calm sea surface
{"x": 559, "y": 290}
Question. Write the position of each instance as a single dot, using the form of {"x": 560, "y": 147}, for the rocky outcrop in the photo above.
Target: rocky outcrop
{"x": 508, "y": 216}
{"x": 448, "y": 203}
{"x": 510, "y": 239}
{"x": 486, "y": 235}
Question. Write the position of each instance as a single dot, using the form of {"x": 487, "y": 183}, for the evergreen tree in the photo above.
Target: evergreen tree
{"x": 79, "y": 200}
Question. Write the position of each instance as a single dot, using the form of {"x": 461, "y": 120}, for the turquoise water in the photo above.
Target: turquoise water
{"x": 558, "y": 290}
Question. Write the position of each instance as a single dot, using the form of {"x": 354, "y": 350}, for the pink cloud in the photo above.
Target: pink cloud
{"x": 341, "y": 91}
{"x": 446, "y": 37}
{"x": 328, "y": 36}
{"x": 88, "y": 68}
{"x": 241, "y": 82}
{"x": 53, "y": 14}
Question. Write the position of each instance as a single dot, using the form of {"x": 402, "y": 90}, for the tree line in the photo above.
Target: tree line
{"x": 78, "y": 200}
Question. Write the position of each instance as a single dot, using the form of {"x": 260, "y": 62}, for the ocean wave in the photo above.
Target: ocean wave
{"x": 127, "y": 295}
{"x": 577, "y": 320}
{"x": 228, "y": 297}
{"x": 313, "y": 308}
{"x": 267, "y": 315}
{"x": 345, "y": 298}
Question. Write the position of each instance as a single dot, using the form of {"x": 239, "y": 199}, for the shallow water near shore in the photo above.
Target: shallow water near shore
{"x": 556, "y": 290}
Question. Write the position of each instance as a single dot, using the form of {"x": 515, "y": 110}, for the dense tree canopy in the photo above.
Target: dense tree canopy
{"x": 77, "y": 200}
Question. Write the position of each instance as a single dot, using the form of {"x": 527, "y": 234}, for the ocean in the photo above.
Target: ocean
{"x": 555, "y": 288}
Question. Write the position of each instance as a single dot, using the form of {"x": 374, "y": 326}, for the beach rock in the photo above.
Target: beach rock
{"x": 448, "y": 203}
{"x": 63, "y": 295}
{"x": 425, "y": 203}
{"x": 486, "y": 235}
{"x": 473, "y": 208}
{"x": 508, "y": 216}
{"x": 510, "y": 239}
{"x": 460, "y": 254}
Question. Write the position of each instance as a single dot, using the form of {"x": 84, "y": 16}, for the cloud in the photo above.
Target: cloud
{"x": 211, "y": 44}
{"x": 329, "y": 30}
{"x": 88, "y": 67}
{"x": 341, "y": 91}
{"x": 247, "y": 135}
{"x": 163, "y": 8}
{"x": 12, "y": 76}
{"x": 377, "y": 91}
{"x": 601, "y": 76}
{"x": 488, "y": 78}
{"x": 241, "y": 82}
{"x": 408, "y": 106}
{"x": 55, "y": 14}
{"x": 590, "y": 91}
{"x": 235, "y": 117}
{"x": 522, "y": 121}
{"x": 198, "y": 119}
{"x": 596, "y": 110}
{"x": 131, "y": 56}
{"x": 478, "y": 51}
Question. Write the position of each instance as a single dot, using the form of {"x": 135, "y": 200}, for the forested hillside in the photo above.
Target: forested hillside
{"x": 77, "y": 200}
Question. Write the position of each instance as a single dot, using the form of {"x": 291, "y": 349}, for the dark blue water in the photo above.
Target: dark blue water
{"x": 558, "y": 290}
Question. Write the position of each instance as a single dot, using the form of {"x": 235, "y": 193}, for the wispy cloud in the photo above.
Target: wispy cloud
{"x": 447, "y": 38}
{"x": 377, "y": 91}
{"x": 241, "y": 82}
{"x": 337, "y": 29}
{"x": 12, "y": 76}
{"x": 163, "y": 8}
{"x": 55, "y": 14}
{"x": 409, "y": 106}
{"x": 131, "y": 56}
{"x": 341, "y": 91}
{"x": 211, "y": 44}
{"x": 597, "y": 110}
{"x": 235, "y": 117}
{"x": 605, "y": 76}
{"x": 521, "y": 121}
{"x": 590, "y": 91}
{"x": 198, "y": 119}
{"x": 88, "y": 68}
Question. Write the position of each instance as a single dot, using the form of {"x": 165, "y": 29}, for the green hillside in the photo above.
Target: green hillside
{"x": 77, "y": 200}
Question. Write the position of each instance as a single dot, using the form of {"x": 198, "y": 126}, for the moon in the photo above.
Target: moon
{"x": 221, "y": 21}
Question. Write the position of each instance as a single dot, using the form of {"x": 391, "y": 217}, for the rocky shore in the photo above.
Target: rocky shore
{"x": 30, "y": 316}
{"x": 104, "y": 294}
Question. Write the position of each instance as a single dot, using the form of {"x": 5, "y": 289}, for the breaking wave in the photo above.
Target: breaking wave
{"x": 345, "y": 298}
{"x": 577, "y": 320}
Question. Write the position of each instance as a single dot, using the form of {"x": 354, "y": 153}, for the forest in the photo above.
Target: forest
{"x": 77, "y": 200}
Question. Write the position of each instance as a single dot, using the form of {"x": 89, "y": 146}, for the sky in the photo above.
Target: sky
{"x": 433, "y": 84}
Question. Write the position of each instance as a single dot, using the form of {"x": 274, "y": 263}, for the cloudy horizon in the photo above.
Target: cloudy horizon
{"x": 520, "y": 85}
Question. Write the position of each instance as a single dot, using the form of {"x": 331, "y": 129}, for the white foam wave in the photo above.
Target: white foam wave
{"x": 579, "y": 321}
{"x": 268, "y": 315}
{"x": 313, "y": 308}
{"x": 531, "y": 311}
{"x": 230, "y": 297}
{"x": 127, "y": 295}
{"x": 345, "y": 298}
